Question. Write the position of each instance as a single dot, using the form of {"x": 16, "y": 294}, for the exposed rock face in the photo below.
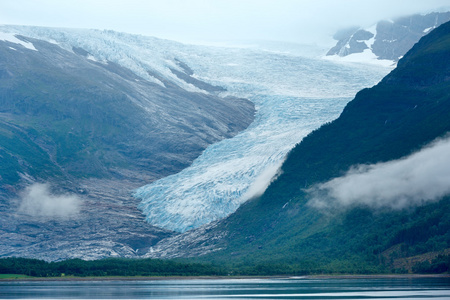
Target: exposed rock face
{"x": 351, "y": 42}
{"x": 96, "y": 129}
{"x": 388, "y": 40}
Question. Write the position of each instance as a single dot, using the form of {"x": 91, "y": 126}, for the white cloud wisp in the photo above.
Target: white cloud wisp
{"x": 263, "y": 181}
{"x": 37, "y": 200}
{"x": 407, "y": 182}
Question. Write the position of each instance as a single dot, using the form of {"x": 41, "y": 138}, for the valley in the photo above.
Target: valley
{"x": 118, "y": 145}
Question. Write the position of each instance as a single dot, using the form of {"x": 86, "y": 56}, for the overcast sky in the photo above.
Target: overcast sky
{"x": 300, "y": 21}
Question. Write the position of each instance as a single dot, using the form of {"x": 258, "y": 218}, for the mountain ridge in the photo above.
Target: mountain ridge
{"x": 281, "y": 231}
{"x": 260, "y": 233}
{"x": 388, "y": 39}
{"x": 92, "y": 128}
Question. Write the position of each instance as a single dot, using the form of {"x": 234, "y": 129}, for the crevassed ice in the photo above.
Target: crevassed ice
{"x": 142, "y": 55}
{"x": 293, "y": 96}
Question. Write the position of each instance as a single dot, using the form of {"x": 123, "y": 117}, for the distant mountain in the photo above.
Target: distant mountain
{"x": 96, "y": 114}
{"x": 387, "y": 40}
{"x": 299, "y": 225}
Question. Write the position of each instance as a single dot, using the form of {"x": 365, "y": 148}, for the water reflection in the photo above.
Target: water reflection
{"x": 293, "y": 288}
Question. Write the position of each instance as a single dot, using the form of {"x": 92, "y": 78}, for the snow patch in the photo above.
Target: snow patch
{"x": 365, "y": 57}
{"x": 90, "y": 57}
{"x": 373, "y": 30}
{"x": 390, "y": 41}
{"x": 10, "y": 37}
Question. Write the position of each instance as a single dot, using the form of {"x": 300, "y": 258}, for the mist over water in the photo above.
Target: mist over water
{"x": 293, "y": 94}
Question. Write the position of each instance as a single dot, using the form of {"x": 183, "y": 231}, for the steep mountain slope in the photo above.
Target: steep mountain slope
{"x": 95, "y": 119}
{"x": 285, "y": 230}
{"x": 224, "y": 176}
{"x": 95, "y": 128}
{"x": 387, "y": 40}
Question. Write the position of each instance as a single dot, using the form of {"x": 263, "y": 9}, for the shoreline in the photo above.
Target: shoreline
{"x": 160, "y": 278}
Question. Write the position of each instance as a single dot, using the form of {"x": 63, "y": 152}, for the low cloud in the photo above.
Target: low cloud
{"x": 37, "y": 200}
{"x": 262, "y": 182}
{"x": 411, "y": 181}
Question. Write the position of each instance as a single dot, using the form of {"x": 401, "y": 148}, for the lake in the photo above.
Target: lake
{"x": 278, "y": 288}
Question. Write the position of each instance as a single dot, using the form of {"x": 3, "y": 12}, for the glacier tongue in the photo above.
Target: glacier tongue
{"x": 293, "y": 95}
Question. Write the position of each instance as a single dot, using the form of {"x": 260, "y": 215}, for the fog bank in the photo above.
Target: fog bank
{"x": 411, "y": 181}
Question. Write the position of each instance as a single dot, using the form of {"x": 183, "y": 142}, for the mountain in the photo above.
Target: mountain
{"x": 83, "y": 122}
{"x": 360, "y": 194}
{"x": 95, "y": 217}
{"x": 386, "y": 40}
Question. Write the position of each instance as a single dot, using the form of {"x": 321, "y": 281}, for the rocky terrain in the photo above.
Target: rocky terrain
{"x": 387, "y": 40}
{"x": 88, "y": 116}
{"x": 79, "y": 131}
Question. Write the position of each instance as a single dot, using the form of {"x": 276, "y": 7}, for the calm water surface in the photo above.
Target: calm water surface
{"x": 292, "y": 288}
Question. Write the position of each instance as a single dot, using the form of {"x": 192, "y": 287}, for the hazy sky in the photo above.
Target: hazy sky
{"x": 300, "y": 21}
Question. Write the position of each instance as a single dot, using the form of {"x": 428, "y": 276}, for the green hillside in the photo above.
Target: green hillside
{"x": 280, "y": 232}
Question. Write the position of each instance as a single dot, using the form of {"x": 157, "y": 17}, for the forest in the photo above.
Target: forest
{"x": 106, "y": 267}
{"x": 154, "y": 267}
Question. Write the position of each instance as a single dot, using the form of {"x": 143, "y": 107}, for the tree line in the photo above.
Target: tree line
{"x": 156, "y": 267}
{"x": 106, "y": 267}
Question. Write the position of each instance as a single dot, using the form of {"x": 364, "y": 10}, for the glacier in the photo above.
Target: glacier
{"x": 294, "y": 93}
{"x": 148, "y": 57}
{"x": 293, "y": 88}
